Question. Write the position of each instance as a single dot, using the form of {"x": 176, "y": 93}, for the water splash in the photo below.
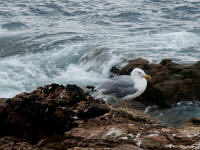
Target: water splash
{"x": 79, "y": 41}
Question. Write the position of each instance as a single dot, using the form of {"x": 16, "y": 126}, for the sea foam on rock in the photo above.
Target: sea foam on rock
{"x": 65, "y": 117}
{"x": 171, "y": 82}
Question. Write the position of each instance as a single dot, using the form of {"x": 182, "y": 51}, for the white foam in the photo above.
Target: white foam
{"x": 155, "y": 47}
{"x": 79, "y": 63}
{"x": 27, "y": 72}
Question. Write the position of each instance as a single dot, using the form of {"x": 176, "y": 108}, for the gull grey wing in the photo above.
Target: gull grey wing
{"x": 119, "y": 87}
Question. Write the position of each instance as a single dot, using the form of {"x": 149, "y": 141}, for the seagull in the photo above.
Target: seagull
{"x": 126, "y": 87}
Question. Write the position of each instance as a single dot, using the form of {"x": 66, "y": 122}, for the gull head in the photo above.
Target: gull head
{"x": 139, "y": 73}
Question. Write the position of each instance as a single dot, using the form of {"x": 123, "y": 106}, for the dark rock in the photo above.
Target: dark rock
{"x": 115, "y": 70}
{"x": 47, "y": 111}
{"x": 55, "y": 117}
{"x": 10, "y": 143}
{"x": 93, "y": 111}
{"x": 90, "y": 87}
{"x": 137, "y": 63}
{"x": 170, "y": 82}
{"x": 192, "y": 122}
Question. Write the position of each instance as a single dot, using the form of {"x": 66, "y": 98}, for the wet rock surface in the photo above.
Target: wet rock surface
{"x": 170, "y": 82}
{"x": 65, "y": 117}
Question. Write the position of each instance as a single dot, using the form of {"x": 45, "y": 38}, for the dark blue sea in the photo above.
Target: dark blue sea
{"x": 78, "y": 41}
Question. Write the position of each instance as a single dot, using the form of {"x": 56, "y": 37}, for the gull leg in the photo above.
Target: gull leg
{"x": 125, "y": 106}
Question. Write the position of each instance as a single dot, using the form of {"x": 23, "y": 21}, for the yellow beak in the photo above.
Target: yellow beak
{"x": 148, "y": 77}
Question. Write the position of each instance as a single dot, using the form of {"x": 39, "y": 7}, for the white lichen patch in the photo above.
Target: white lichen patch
{"x": 113, "y": 132}
{"x": 152, "y": 135}
{"x": 166, "y": 130}
{"x": 46, "y": 110}
{"x": 147, "y": 109}
{"x": 156, "y": 131}
{"x": 192, "y": 135}
{"x": 184, "y": 147}
{"x": 61, "y": 95}
{"x": 75, "y": 117}
{"x": 113, "y": 116}
{"x": 131, "y": 136}
{"x": 138, "y": 135}
{"x": 92, "y": 136}
{"x": 169, "y": 146}
{"x": 139, "y": 142}
{"x": 174, "y": 134}
{"x": 123, "y": 138}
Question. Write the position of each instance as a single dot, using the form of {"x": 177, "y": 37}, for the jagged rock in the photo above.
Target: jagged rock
{"x": 170, "y": 82}
{"x": 62, "y": 118}
{"x": 119, "y": 129}
{"x": 47, "y": 111}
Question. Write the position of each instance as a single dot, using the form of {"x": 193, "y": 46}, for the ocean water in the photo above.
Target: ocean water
{"x": 78, "y": 41}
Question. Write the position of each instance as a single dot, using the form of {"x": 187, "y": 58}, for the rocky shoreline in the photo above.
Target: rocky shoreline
{"x": 171, "y": 82}
{"x": 65, "y": 117}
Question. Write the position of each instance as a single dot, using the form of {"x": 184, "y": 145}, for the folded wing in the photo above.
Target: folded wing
{"x": 119, "y": 87}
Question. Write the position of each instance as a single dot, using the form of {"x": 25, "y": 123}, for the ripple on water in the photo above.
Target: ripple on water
{"x": 14, "y": 26}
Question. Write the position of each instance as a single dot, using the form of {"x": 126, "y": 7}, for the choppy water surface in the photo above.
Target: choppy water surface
{"x": 78, "y": 41}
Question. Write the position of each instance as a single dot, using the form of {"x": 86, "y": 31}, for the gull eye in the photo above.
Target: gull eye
{"x": 139, "y": 73}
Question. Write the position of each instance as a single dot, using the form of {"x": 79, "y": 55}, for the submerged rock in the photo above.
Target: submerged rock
{"x": 170, "y": 82}
{"x": 59, "y": 117}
